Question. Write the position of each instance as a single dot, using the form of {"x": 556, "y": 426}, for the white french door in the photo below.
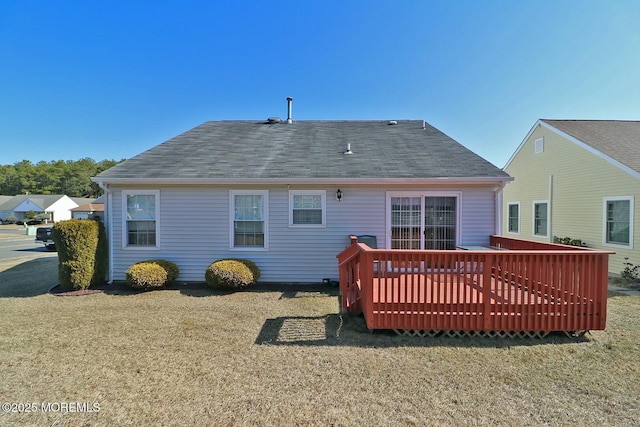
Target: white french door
{"x": 423, "y": 220}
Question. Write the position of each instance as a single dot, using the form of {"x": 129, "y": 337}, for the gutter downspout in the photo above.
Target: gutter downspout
{"x": 497, "y": 197}
{"x": 109, "y": 225}
{"x": 550, "y": 209}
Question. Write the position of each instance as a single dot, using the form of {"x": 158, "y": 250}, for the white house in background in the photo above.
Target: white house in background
{"x": 91, "y": 210}
{"x": 288, "y": 194}
{"x": 58, "y": 207}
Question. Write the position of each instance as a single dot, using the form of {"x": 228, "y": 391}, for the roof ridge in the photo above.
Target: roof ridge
{"x": 591, "y": 120}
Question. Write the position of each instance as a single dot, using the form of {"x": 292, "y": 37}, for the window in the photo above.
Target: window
{"x": 249, "y": 219}
{"x": 618, "y": 214}
{"x": 141, "y": 218}
{"x": 540, "y": 215}
{"x": 307, "y": 208}
{"x": 514, "y": 218}
{"x": 539, "y": 145}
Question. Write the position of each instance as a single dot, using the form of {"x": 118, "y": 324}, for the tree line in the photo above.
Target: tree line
{"x": 70, "y": 177}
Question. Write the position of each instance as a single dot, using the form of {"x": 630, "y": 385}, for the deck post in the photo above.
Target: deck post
{"x": 603, "y": 292}
{"x": 366, "y": 292}
{"x": 487, "y": 267}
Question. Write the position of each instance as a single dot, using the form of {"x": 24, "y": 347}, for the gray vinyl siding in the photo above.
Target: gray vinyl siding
{"x": 194, "y": 230}
{"x": 478, "y": 216}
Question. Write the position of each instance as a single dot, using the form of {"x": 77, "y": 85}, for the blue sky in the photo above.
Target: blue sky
{"x": 108, "y": 80}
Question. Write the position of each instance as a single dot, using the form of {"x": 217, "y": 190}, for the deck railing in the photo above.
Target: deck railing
{"x": 522, "y": 286}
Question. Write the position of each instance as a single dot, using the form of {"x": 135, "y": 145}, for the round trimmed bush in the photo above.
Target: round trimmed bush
{"x": 229, "y": 274}
{"x": 146, "y": 275}
{"x": 250, "y": 264}
{"x": 172, "y": 269}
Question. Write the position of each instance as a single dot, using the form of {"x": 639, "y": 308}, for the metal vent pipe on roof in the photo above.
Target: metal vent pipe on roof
{"x": 289, "y": 102}
{"x": 348, "y": 149}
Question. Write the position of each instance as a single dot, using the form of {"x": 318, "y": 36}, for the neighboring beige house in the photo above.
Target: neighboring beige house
{"x": 577, "y": 179}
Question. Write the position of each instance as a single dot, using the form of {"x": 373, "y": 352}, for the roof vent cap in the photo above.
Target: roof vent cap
{"x": 392, "y": 122}
{"x": 273, "y": 120}
{"x": 348, "y": 149}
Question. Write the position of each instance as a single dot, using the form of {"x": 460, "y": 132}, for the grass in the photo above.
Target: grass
{"x": 195, "y": 357}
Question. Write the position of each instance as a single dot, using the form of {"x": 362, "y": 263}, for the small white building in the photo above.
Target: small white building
{"x": 57, "y": 207}
{"x": 91, "y": 210}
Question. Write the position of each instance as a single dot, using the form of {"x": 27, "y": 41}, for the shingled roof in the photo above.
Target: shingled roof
{"x": 255, "y": 150}
{"x": 618, "y": 139}
{"x": 43, "y": 201}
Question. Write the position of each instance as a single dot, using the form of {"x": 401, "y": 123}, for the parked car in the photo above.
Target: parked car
{"x": 45, "y": 235}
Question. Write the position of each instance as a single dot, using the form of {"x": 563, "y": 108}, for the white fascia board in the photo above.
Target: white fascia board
{"x": 316, "y": 181}
{"x": 592, "y": 150}
{"x": 526, "y": 138}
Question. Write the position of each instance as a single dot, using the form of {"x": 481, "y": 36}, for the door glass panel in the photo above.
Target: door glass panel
{"x": 405, "y": 222}
{"x": 440, "y": 223}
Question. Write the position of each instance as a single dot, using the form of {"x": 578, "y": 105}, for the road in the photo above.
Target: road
{"x": 26, "y": 268}
{"x": 14, "y": 244}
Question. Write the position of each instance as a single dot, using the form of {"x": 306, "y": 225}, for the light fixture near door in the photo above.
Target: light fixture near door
{"x": 338, "y": 195}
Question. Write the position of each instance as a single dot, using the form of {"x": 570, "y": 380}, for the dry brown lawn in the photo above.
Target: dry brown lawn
{"x": 194, "y": 357}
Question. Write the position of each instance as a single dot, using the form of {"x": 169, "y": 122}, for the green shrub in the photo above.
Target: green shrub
{"x": 42, "y": 216}
{"x": 146, "y": 275}
{"x": 229, "y": 274}
{"x": 250, "y": 264}
{"x": 569, "y": 241}
{"x": 172, "y": 269}
{"x": 12, "y": 219}
{"x": 631, "y": 272}
{"x": 82, "y": 253}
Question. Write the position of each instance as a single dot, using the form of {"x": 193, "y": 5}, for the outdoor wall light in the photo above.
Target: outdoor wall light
{"x": 338, "y": 195}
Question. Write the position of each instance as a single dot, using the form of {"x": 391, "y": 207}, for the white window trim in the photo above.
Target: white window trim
{"x": 423, "y": 194}
{"x": 323, "y": 196}
{"x": 604, "y": 221}
{"x": 125, "y": 229}
{"x": 538, "y": 145}
{"x": 232, "y": 217}
{"x": 519, "y": 217}
{"x": 533, "y": 218}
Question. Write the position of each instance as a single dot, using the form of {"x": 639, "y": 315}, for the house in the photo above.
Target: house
{"x": 577, "y": 179}
{"x": 288, "y": 194}
{"x": 91, "y": 210}
{"x": 57, "y": 207}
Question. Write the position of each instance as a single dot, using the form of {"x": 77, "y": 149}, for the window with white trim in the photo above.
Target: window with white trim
{"x": 140, "y": 214}
{"x": 540, "y": 219}
{"x": 307, "y": 208}
{"x": 618, "y": 221}
{"x": 249, "y": 219}
{"x": 513, "y": 213}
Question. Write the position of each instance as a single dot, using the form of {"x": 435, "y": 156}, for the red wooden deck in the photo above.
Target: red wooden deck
{"x": 549, "y": 288}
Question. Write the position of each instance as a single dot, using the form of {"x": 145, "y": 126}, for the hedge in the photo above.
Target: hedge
{"x": 82, "y": 253}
